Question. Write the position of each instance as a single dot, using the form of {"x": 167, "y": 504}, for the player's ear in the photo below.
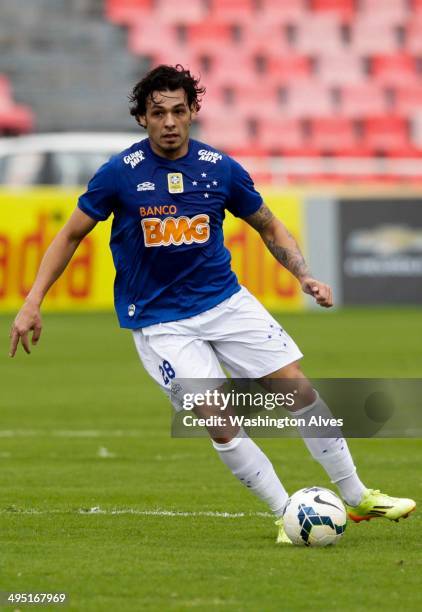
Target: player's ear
{"x": 142, "y": 121}
{"x": 193, "y": 114}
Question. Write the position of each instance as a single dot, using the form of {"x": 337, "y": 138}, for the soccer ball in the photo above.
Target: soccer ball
{"x": 314, "y": 517}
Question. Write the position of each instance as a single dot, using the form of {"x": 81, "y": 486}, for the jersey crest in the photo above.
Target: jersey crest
{"x": 175, "y": 182}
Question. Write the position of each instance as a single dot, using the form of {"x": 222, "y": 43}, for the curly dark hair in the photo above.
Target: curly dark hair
{"x": 166, "y": 77}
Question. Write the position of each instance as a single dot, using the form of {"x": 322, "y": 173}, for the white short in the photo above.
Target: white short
{"x": 239, "y": 334}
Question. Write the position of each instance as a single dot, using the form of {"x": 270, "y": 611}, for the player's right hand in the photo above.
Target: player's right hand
{"x": 28, "y": 319}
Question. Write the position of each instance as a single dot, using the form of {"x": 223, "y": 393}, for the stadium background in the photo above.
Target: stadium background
{"x": 320, "y": 99}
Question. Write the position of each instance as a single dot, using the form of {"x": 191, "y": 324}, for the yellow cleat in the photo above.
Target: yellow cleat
{"x": 282, "y": 537}
{"x": 375, "y": 504}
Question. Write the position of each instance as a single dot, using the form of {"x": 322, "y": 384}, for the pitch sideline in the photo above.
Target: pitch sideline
{"x": 159, "y": 513}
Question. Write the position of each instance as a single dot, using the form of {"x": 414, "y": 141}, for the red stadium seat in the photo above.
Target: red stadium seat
{"x": 414, "y": 35}
{"x": 276, "y": 134}
{"x": 127, "y": 11}
{"x": 146, "y": 37}
{"x": 370, "y": 35}
{"x": 408, "y": 100}
{"x": 209, "y": 36}
{"x": 227, "y": 132}
{"x": 232, "y": 11}
{"x": 358, "y": 151}
{"x": 283, "y": 11}
{"x": 406, "y": 153}
{"x": 308, "y": 99}
{"x": 248, "y": 103}
{"x": 178, "y": 54}
{"x": 319, "y": 32}
{"x": 361, "y": 100}
{"x": 15, "y": 118}
{"x": 333, "y": 134}
{"x": 394, "y": 69}
{"x": 265, "y": 37}
{"x": 393, "y": 11}
{"x": 229, "y": 68}
{"x": 168, "y": 11}
{"x": 257, "y": 101}
{"x": 385, "y": 133}
{"x": 340, "y": 68}
{"x": 287, "y": 68}
{"x": 344, "y": 9}
{"x": 215, "y": 105}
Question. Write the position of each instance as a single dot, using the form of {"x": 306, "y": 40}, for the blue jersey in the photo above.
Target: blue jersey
{"x": 167, "y": 231}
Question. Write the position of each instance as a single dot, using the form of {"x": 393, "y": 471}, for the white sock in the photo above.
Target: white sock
{"x": 332, "y": 453}
{"x": 253, "y": 468}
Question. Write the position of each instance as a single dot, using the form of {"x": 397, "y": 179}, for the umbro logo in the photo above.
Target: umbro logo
{"x": 146, "y": 186}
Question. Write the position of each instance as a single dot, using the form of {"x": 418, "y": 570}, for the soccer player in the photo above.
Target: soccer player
{"x": 175, "y": 288}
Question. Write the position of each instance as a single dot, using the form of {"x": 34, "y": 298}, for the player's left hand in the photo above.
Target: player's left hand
{"x": 322, "y": 293}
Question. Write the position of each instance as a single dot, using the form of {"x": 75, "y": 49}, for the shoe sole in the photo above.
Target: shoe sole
{"x": 358, "y": 519}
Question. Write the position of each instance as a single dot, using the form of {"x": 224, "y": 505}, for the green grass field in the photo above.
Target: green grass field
{"x": 82, "y": 426}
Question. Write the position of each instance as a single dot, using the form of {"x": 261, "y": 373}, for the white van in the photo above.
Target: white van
{"x": 66, "y": 159}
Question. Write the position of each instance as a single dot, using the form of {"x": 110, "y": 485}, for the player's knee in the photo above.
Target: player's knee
{"x": 224, "y": 439}
{"x": 291, "y": 379}
{"x": 293, "y": 370}
{"x": 305, "y": 389}
{"x": 307, "y": 394}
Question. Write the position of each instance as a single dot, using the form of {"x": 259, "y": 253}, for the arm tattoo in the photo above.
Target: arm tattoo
{"x": 260, "y": 218}
{"x": 292, "y": 259}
